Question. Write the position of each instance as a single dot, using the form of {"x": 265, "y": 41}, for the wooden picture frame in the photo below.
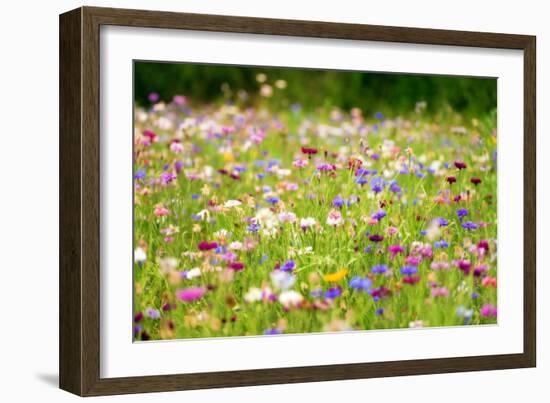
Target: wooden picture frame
{"x": 80, "y": 199}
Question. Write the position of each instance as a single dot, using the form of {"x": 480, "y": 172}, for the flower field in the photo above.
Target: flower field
{"x": 270, "y": 219}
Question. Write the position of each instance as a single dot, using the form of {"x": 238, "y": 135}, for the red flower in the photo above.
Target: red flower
{"x": 205, "y": 245}
{"x": 376, "y": 238}
{"x": 411, "y": 279}
{"x": 475, "y": 181}
{"x": 309, "y": 151}
{"x": 451, "y": 179}
{"x": 237, "y": 266}
{"x": 460, "y": 164}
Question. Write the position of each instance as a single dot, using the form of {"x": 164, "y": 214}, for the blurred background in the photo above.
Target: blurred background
{"x": 310, "y": 88}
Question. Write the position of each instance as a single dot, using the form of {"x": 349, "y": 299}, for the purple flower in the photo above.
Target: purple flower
{"x": 333, "y": 292}
{"x": 409, "y": 270}
{"x": 153, "y": 97}
{"x": 469, "y": 225}
{"x": 273, "y": 200}
{"x": 288, "y": 266}
{"x": 140, "y": 173}
{"x": 379, "y": 215}
{"x": 338, "y": 201}
{"x": 376, "y": 238}
{"x": 271, "y": 332}
{"x": 360, "y": 283}
{"x": 461, "y": 212}
{"x": 488, "y": 310}
{"x": 379, "y": 269}
{"x": 253, "y": 228}
{"x": 441, "y": 244}
{"x": 442, "y": 222}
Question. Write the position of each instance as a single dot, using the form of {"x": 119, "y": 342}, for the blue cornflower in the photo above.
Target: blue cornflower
{"x": 273, "y": 200}
{"x": 253, "y": 228}
{"x": 270, "y": 332}
{"x": 368, "y": 249}
{"x": 379, "y": 215}
{"x": 379, "y": 269}
{"x": 338, "y": 201}
{"x": 377, "y": 184}
{"x": 442, "y": 222}
{"x": 267, "y": 189}
{"x": 316, "y": 293}
{"x": 395, "y": 188}
{"x": 409, "y": 270}
{"x": 441, "y": 244}
{"x": 379, "y": 311}
{"x": 360, "y": 283}
{"x": 461, "y": 212}
{"x": 379, "y": 115}
{"x": 469, "y": 225}
{"x": 332, "y": 293}
{"x": 195, "y": 196}
{"x": 140, "y": 173}
{"x": 288, "y": 266}
{"x": 361, "y": 180}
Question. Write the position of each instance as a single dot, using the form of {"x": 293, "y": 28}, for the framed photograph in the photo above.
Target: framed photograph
{"x": 249, "y": 201}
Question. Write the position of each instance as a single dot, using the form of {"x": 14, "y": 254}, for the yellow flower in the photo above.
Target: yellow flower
{"x": 337, "y": 276}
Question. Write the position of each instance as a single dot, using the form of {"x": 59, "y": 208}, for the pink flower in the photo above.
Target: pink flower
{"x": 205, "y": 245}
{"x": 176, "y": 147}
{"x": 489, "y": 282}
{"x": 488, "y": 310}
{"x": 334, "y": 218}
{"x": 236, "y": 266}
{"x": 440, "y": 292}
{"x": 391, "y": 231}
{"x": 395, "y": 249}
{"x": 440, "y": 265}
{"x": 190, "y": 294}
{"x": 161, "y": 211}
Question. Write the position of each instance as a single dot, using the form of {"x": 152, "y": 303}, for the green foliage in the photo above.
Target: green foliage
{"x": 312, "y": 88}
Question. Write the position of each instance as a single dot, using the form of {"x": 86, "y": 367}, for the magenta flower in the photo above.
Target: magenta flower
{"x": 206, "y": 246}
{"x": 236, "y": 266}
{"x": 488, "y": 310}
{"x": 190, "y": 294}
{"x": 395, "y": 249}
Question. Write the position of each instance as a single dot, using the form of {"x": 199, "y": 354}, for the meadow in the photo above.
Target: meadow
{"x": 258, "y": 216}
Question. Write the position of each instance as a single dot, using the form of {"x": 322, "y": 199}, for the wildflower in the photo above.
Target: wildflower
{"x": 441, "y": 244}
{"x": 460, "y": 165}
{"x": 464, "y": 265}
{"x": 140, "y": 256}
{"x": 272, "y": 331}
{"x": 207, "y": 246}
{"x": 190, "y": 294}
{"x": 416, "y": 324}
{"x": 290, "y": 298}
{"x": 360, "y": 283}
{"x": 253, "y": 295}
{"x": 253, "y": 228}
{"x": 439, "y": 265}
{"x": 232, "y": 203}
{"x": 152, "y": 313}
{"x": 336, "y": 276}
{"x": 309, "y": 151}
{"x": 440, "y": 292}
{"x": 442, "y": 222}
{"x": 395, "y": 249}
{"x": 475, "y": 181}
{"x": 488, "y": 310}
{"x": 273, "y": 200}
{"x": 307, "y": 222}
{"x": 379, "y": 269}
{"x": 409, "y": 270}
{"x": 379, "y": 215}
{"x": 376, "y": 238}
{"x": 451, "y": 179}
{"x": 282, "y": 280}
{"x": 176, "y": 147}
{"x": 462, "y": 212}
{"x": 236, "y": 266}
{"x": 334, "y": 218}
{"x": 391, "y": 231}
{"x": 469, "y": 225}
{"x": 489, "y": 282}
{"x": 287, "y": 217}
{"x": 333, "y": 292}
{"x": 411, "y": 280}
{"x": 338, "y": 201}
{"x": 300, "y": 163}
{"x": 161, "y": 211}
{"x": 288, "y": 266}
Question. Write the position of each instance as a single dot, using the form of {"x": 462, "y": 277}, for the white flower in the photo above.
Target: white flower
{"x": 334, "y": 218}
{"x": 193, "y": 273}
{"x": 290, "y": 298}
{"x": 287, "y": 217}
{"x": 232, "y": 203}
{"x": 139, "y": 255}
{"x": 236, "y": 245}
{"x": 203, "y": 214}
{"x": 307, "y": 222}
{"x": 254, "y": 294}
{"x": 282, "y": 280}
{"x": 223, "y": 233}
{"x": 416, "y": 323}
